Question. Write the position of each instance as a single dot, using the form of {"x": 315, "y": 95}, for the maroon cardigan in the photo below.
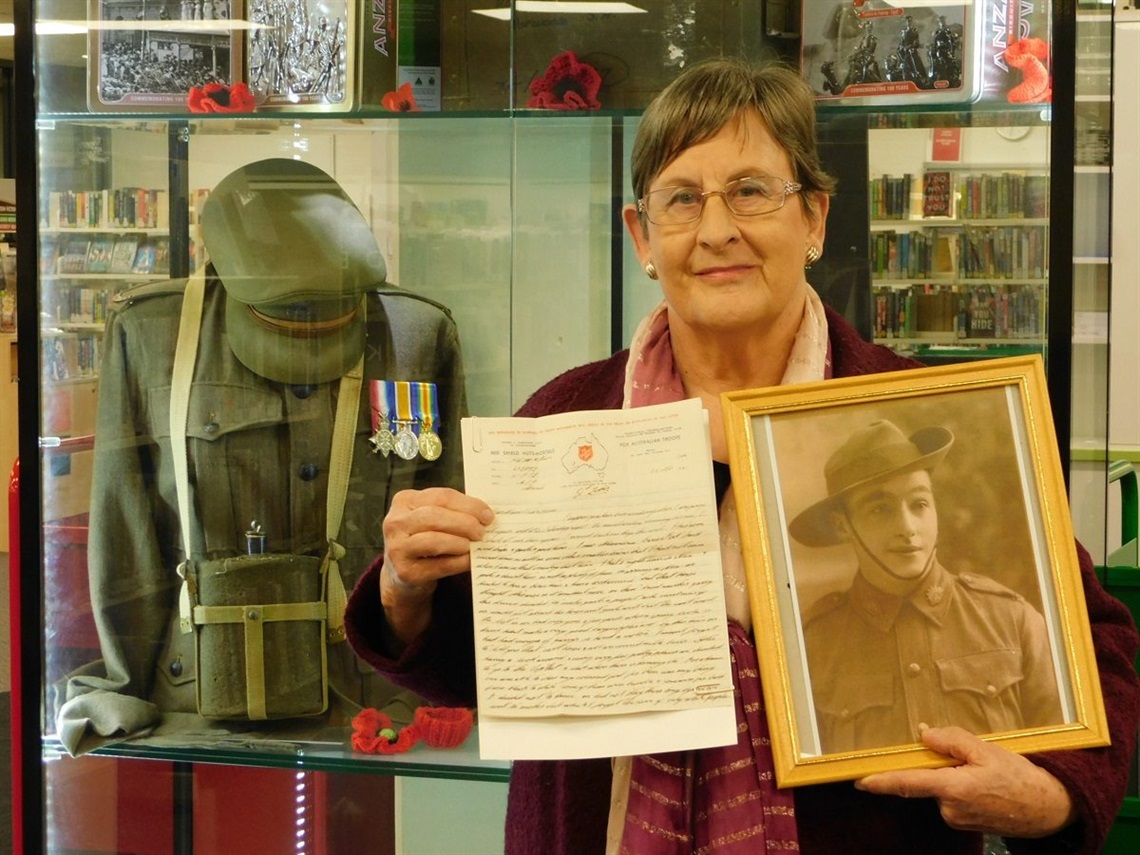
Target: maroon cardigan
{"x": 561, "y": 807}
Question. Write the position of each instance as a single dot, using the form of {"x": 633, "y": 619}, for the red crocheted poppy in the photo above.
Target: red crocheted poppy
{"x": 444, "y": 727}
{"x": 372, "y": 733}
{"x": 568, "y": 84}
{"x": 219, "y": 98}
{"x": 403, "y": 100}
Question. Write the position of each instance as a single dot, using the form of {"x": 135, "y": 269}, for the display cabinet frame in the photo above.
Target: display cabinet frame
{"x": 623, "y": 302}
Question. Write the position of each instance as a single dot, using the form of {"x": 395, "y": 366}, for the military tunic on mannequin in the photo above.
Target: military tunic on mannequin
{"x": 295, "y": 294}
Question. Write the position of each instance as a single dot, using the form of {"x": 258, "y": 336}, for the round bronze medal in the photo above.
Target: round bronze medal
{"x": 430, "y": 445}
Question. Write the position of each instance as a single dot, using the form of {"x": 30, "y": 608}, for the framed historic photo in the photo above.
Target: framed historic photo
{"x": 146, "y": 55}
{"x": 301, "y": 55}
{"x": 911, "y": 561}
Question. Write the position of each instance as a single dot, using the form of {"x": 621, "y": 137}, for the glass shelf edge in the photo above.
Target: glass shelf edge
{"x": 421, "y": 762}
{"x": 118, "y": 118}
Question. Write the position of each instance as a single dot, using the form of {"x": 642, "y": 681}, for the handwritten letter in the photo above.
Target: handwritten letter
{"x": 598, "y": 591}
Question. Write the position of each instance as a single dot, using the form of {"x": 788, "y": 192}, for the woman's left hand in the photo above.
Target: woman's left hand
{"x": 992, "y": 790}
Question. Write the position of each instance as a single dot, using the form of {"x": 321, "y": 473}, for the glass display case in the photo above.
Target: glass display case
{"x": 487, "y": 151}
{"x": 1092, "y": 178}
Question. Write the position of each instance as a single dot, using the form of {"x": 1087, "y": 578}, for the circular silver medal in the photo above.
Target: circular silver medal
{"x": 406, "y": 444}
{"x": 430, "y": 445}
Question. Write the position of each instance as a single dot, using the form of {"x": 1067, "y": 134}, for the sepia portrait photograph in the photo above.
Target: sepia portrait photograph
{"x": 910, "y": 555}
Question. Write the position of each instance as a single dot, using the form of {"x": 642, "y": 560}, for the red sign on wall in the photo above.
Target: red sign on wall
{"x": 946, "y": 145}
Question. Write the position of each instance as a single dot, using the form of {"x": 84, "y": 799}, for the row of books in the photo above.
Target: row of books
{"x": 125, "y": 207}
{"x": 977, "y": 252}
{"x": 890, "y": 197}
{"x": 71, "y": 357}
{"x": 125, "y": 254}
{"x": 980, "y": 196}
{"x": 913, "y": 254}
{"x": 1003, "y": 252}
{"x": 985, "y": 311}
{"x": 1008, "y": 195}
{"x": 82, "y": 305}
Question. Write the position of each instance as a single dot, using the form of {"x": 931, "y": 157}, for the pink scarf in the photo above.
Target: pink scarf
{"x": 721, "y": 801}
{"x": 716, "y": 800}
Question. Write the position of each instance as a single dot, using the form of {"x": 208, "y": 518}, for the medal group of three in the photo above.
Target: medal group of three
{"x": 404, "y": 417}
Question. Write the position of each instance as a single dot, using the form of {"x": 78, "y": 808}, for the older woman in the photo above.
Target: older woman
{"x": 732, "y": 206}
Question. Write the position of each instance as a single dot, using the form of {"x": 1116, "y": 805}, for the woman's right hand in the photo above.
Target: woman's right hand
{"x": 427, "y": 535}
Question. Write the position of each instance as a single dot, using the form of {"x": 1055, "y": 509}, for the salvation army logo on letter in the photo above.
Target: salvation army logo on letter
{"x": 585, "y": 452}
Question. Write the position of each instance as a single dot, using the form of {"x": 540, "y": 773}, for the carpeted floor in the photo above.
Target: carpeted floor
{"x": 5, "y": 777}
{"x": 5, "y": 715}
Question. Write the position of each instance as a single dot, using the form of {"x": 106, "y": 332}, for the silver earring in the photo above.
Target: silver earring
{"x": 650, "y": 270}
{"x": 812, "y": 257}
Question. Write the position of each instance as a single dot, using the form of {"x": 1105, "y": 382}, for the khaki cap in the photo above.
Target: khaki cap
{"x": 295, "y": 257}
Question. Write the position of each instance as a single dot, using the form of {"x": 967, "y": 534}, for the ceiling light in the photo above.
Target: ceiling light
{"x": 71, "y": 28}
{"x": 566, "y": 7}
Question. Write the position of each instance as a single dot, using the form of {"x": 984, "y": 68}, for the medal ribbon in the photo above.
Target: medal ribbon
{"x": 425, "y": 405}
{"x": 404, "y": 402}
{"x": 382, "y": 398}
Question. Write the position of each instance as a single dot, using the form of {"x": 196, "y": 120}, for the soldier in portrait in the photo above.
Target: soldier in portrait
{"x": 911, "y": 643}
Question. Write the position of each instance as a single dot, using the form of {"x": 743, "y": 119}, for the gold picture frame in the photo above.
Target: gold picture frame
{"x": 847, "y": 669}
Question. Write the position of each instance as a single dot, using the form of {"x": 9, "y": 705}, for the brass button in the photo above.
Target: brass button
{"x": 914, "y": 668}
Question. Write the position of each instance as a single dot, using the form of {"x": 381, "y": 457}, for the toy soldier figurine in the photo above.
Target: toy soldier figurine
{"x": 863, "y": 67}
{"x": 909, "y": 60}
{"x": 945, "y": 54}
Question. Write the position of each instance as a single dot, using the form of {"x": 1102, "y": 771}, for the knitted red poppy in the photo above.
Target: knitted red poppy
{"x": 402, "y": 100}
{"x": 372, "y": 733}
{"x": 568, "y": 84}
{"x": 219, "y": 98}
{"x": 1031, "y": 57}
{"x": 444, "y": 727}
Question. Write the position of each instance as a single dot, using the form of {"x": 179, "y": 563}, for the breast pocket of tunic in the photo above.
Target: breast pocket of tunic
{"x": 982, "y": 690}
{"x": 236, "y": 465}
{"x": 854, "y": 711}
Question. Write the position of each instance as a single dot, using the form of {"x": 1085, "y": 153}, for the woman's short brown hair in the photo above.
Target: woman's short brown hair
{"x": 705, "y": 97}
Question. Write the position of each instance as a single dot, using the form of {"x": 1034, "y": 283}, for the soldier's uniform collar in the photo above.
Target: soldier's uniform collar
{"x": 931, "y": 598}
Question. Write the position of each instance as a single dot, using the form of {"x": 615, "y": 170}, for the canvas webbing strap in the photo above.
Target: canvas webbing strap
{"x": 340, "y": 468}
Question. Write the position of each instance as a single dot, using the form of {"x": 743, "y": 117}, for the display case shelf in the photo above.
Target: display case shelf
{"x": 462, "y": 763}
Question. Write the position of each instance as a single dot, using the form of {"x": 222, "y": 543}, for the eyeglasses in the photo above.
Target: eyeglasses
{"x": 745, "y": 197}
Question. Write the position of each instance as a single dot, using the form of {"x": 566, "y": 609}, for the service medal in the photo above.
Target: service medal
{"x": 383, "y": 441}
{"x": 430, "y": 445}
{"x": 382, "y": 397}
{"x": 406, "y": 445}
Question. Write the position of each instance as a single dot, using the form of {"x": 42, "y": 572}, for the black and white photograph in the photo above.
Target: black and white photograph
{"x": 148, "y": 54}
{"x": 910, "y": 548}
